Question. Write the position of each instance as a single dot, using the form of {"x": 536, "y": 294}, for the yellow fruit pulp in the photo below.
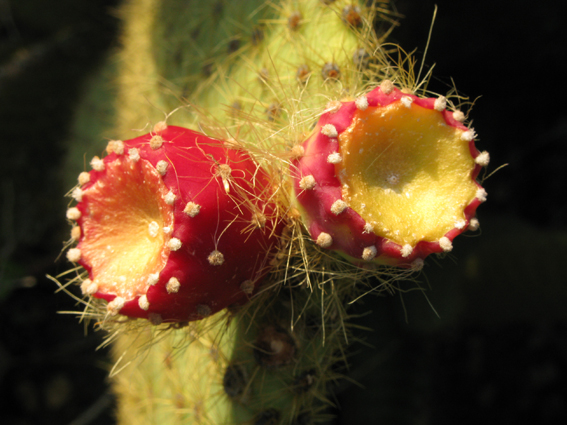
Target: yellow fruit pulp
{"x": 123, "y": 237}
{"x": 406, "y": 171}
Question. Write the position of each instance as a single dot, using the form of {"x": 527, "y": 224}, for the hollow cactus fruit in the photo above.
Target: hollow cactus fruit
{"x": 389, "y": 177}
{"x": 171, "y": 226}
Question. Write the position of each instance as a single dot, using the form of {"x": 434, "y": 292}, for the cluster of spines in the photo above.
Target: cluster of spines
{"x": 271, "y": 60}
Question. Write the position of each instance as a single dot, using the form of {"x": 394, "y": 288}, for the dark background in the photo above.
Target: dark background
{"x": 497, "y": 353}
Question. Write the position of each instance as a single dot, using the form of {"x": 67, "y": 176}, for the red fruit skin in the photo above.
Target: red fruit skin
{"x": 347, "y": 228}
{"x": 192, "y": 175}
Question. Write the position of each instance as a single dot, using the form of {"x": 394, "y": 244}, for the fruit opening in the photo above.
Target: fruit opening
{"x": 406, "y": 171}
{"x": 123, "y": 228}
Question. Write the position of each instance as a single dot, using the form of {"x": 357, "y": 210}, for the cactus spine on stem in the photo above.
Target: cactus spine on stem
{"x": 258, "y": 75}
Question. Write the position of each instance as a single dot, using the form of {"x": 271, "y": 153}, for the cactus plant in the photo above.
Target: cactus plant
{"x": 261, "y": 76}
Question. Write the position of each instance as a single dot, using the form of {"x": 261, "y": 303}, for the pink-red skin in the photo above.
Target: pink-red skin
{"x": 192, "y": 176}
{"x": 347, "y": 228}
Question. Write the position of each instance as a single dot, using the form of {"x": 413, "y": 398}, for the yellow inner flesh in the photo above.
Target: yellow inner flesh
{"x": 406, "y": 171}
{"x": 124, "y": 241}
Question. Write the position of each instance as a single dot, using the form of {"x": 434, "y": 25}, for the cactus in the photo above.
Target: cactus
{"x": 261, "y": 76}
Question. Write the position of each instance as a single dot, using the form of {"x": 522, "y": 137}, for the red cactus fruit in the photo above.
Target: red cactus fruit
{"x": 172, "y": 227}
{"x": 389, "y": 177}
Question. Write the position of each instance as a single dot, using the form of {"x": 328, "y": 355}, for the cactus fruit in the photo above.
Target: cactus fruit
{"x": 172, "y": 226}
{"x": 389, "y": 177}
